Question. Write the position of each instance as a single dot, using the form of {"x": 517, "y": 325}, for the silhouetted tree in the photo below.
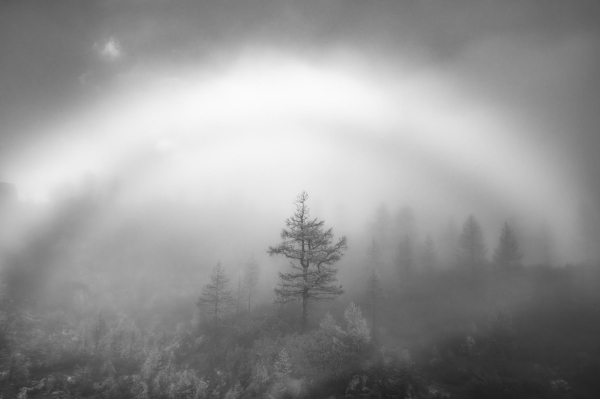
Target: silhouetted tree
{"x": 405, "y": 257}
{"x": 216, "y": 297}
{"x": 251, "y": 273}
{"x": 309, "y": 246}
{"x": 507, "y": 254}
{"x": 470, "y": 244}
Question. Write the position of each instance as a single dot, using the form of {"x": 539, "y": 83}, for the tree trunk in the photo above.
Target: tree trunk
{"x": 305, "y": 300}
{"x": 305, "y": 310}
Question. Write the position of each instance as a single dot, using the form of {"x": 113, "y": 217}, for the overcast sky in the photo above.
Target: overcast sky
{"x": 484, "y": 107}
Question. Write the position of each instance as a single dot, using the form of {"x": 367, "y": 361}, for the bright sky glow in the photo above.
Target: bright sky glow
{"x": 282, "y": 125}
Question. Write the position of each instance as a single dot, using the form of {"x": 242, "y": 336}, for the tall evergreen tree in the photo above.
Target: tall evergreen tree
{"x": 471, "y": 245}
{"x": 309, "y": 247}
{"x": 216, "y": 297}
{"x": 508, "y": 253}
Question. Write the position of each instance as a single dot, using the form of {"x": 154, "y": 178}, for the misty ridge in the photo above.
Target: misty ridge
{"x": 177, "y": 300}
{"x": 283, "y": 199}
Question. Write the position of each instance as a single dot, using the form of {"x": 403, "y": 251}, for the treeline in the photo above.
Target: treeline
{"x": 414, "y": 323}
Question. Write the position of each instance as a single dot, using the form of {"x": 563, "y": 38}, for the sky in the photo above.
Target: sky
{"x": 452, "y": 108}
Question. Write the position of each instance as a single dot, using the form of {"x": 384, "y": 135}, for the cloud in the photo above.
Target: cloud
{"x": 111, "y": 50}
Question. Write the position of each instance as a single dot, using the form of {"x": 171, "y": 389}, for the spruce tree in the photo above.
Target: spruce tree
{"x": 309, "y": 247}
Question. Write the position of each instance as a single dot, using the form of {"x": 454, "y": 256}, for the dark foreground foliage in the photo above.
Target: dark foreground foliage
{"x": 522, "y": 333}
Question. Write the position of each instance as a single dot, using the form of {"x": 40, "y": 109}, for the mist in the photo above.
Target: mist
{"x": 144, "y": 142}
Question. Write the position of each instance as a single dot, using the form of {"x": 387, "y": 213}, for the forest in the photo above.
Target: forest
{"x": 299, "y": 199}
{"x": 136, "y": 312}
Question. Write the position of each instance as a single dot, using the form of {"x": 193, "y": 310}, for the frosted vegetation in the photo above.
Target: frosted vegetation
{"x": 413, "y": 322}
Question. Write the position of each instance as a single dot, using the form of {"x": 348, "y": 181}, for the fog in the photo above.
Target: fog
{"x": 145, "y": 141}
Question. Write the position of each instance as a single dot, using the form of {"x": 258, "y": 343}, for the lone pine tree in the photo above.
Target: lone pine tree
{"x": 309, "y": 247}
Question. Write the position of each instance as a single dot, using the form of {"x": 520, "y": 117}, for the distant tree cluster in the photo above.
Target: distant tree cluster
{"x": 398, "y": 240}
{"x": 217, "y": 298}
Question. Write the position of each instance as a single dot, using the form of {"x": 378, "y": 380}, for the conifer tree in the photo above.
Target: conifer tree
{"x": 507, "y": 254}
{"x": 470, "y": 244}
{"x": 309, "y": 247}
{"x": 216, "y": 297}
